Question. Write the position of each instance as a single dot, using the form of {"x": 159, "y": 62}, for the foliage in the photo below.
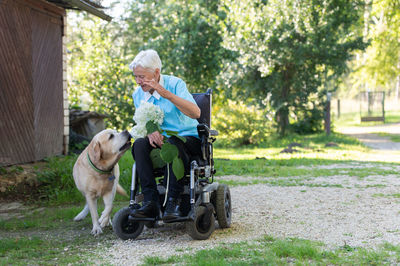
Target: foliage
{"x": 289, "y": 52}
{"x": 281, "y": 56}
{"x": 239, "y": 124}
{"x": 186, "y": 34}
{"x": 379, "y": 65}
{"x": 97, "y": 69}
{"x": 56, "y": 183}
{"x": 168, "y": 153}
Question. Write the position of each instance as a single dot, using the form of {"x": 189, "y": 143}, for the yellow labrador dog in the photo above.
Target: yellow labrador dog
{"x": 96, "y": 174}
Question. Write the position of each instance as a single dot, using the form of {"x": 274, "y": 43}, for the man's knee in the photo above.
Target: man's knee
{"x": 140, "y": 145}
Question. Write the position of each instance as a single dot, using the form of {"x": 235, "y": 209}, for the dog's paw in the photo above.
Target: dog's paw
{"x": 104, "y": 221}
{"x": 96, "y": 230}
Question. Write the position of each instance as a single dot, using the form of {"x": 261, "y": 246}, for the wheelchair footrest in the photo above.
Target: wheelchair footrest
{"x": 178, "y": 219}
{"x": 142, "y": 219}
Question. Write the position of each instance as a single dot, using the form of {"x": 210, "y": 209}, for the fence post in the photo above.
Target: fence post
{"x": 338, "y": 108}
{"x": 328, "y": 114}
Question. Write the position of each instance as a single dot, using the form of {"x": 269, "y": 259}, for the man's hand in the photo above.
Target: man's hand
{"x": 156, "y": 86}
{"x": 156, "y": 139}
{"x": 188, "y": 108}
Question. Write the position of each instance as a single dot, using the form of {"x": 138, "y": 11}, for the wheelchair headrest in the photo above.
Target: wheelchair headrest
{"x": 204, "y": 101}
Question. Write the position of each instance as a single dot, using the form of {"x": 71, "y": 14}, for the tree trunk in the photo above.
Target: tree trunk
{"x": 282, "y": 118}
{"x": 282, "y": 114}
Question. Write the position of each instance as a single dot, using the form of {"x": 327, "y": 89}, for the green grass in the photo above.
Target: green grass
{"x": 272, "y": 167}
{"x": 395, "y": 195}
{"x": 392, "y": 137}
{"x": 354, "y": 119}
{"x": 272, "y": 251}
{"x": 28, "y": 250}
{"x": 54, "y": 218}
{"x": 49, "y": 236}
{"x": 50, "y": 218}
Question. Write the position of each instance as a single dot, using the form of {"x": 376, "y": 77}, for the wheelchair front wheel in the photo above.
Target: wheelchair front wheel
{"x": 124, "y": 228}
{"x": 203, "y": 225}
{"x": 223, "y": 206}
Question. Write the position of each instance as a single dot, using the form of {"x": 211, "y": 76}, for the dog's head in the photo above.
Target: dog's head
{"x": 107, "y": 147}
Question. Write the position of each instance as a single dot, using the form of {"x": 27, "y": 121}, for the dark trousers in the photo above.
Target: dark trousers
{"x": 141, "y": 153}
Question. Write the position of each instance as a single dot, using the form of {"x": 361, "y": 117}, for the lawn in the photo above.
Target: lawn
{"x": 354, "y": 119}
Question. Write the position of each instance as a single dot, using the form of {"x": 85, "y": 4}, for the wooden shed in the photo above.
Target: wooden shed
{"x": 34, "y": 121}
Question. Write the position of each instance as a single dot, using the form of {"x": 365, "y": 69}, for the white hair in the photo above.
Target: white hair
{"x": 146, "y": 59}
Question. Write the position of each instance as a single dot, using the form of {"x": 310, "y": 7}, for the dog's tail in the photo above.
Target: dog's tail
{"x": 121, "y": 191}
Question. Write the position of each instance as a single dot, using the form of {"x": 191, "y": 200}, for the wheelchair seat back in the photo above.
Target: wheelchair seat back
{"x": 204, "y": 102}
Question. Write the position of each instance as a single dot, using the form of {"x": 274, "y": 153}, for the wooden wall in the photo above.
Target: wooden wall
{"x": 31, "y": 81}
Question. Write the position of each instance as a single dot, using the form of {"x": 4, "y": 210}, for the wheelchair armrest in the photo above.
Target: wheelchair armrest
{"x": 203, "y": 130}
{"x": 213, "y": 132}
{"x": 206, "y": 136}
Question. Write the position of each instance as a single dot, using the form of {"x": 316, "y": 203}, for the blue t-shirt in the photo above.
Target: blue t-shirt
{"x": 174, "y": 119}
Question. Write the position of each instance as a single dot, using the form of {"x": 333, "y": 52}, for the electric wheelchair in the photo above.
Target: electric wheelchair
{"x": 202, "y": 202}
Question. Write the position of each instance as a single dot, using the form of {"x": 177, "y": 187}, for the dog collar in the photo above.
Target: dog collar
{"x": 99, "y": 170}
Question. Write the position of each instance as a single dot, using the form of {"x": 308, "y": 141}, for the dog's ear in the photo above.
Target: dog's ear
{"x": 96, "y": 151}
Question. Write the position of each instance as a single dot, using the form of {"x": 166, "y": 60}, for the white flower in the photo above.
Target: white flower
{"x": 146, "y": 112}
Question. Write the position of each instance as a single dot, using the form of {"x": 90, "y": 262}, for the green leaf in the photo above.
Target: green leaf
{"x": 168, "y": 152}
{"x": 171, "y": 133}
{"x": 156, "y": 159}
{"x": 152, "y": 127}
{"x": 178, "y": 168}
{"x": 175, "y": 133}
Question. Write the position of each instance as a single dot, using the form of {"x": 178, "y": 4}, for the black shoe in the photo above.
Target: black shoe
{"x": 149, "y": 209}
{"x": 171, "y": 209}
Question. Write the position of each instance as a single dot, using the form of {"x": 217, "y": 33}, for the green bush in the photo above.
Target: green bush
{"x": 239, "y": 124}
{"x": 57, "y": 184}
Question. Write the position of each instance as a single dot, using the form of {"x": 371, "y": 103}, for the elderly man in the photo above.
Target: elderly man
{"x": 180, "y": 113}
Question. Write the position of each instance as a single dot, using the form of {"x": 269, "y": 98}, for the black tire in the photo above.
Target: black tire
{"x": 223, "y": 206}
{"x": 124, "y": 228}
{"x": 201, "y": 228}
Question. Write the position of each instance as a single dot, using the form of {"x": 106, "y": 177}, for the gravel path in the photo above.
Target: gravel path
{"x": 368, "y": 135}
{"x": 361, "y": 214}
{"x": 364, "y": 212}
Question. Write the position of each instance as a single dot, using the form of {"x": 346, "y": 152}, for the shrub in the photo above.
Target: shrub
{"x": 239, "y": 124}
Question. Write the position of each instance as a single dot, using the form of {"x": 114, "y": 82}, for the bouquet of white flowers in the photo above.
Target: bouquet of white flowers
{"x": 147, "y": 112}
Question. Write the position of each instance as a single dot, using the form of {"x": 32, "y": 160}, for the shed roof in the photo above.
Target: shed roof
{"x": 86, "y": 5}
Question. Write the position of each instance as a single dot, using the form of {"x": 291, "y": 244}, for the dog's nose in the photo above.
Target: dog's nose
{"x": 126, "y": 133}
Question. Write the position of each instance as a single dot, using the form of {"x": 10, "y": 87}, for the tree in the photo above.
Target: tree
{"x": 289, "y": 52}
{"x": 186, "y": 34}
{"x": 379, "y": 66}
{"x": 97, "y": 68}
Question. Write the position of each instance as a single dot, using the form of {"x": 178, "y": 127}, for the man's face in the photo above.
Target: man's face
{"x": 143, "y": 74}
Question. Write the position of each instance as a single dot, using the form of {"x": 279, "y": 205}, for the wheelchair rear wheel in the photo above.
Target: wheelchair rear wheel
{"x": 124, "y": 228}
{"x": 223, "y": 206}
{"x": 203, "y": 225}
